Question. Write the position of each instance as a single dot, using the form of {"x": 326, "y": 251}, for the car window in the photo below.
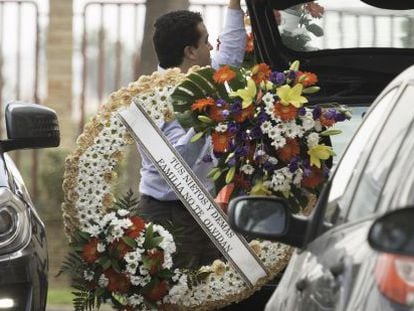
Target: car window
{"x": 396, "y": 193}
{"x": 348, "y": 128}
{"x": 382, "y": 157}
{"x": 368, "y": 131}
{"x": 328, "y": 24}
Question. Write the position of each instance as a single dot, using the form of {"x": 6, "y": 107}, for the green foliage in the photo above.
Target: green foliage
{"x": 51, "y": 168}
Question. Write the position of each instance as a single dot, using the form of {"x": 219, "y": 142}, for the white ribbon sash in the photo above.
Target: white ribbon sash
{"x": 191, "y": 192}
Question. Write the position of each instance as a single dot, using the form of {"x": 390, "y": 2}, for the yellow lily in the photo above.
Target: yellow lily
{"x": 292, "y": 95}
{"x": 247, "y": 94}
{"x": 260, "y": 189}
{"x": 318, "y": 153}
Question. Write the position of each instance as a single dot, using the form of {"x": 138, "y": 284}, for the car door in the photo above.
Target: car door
{"x": 322, "y": 276}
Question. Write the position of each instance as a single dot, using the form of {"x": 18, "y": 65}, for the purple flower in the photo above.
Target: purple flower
{"x": 330, "y": 113}
{"x": 302, "y": 111}
{"x": 316, "y": 112}
{"x": 225, "y": 113}
{"x": 339, "y": 117}
{"x": 263, "y": 116}
{"x": 277, "y": 77}
{"x": 236, "y": 107}
{"x": 326, "y": 171}
{"x": 294, "y": 164}
{"x": 256, "y": 132}
{"x": 292, "y": 75}
{"x": 241, "y": 151}
{"x": 220, "y": 102}
{"x": 233, "y": 128}
{"x": 232, "y": 161}
{"x": 207, "y": 158}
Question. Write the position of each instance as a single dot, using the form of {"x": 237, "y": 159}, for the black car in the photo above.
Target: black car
{"x": 333, "y": 268}
{"x": 23, "y": 247}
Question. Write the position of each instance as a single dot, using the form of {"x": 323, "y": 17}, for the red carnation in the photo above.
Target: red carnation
{"x": 117, "y": 282}
{"x": 156, "y": 259}
{"x": 157, "y": 292}
{"x": 314, "y": 179}
{"x": 90, "y": 251}
{"x": 138, "y": 225}
{"x": 289, "y": 150}
{"x": 119, "y": 249}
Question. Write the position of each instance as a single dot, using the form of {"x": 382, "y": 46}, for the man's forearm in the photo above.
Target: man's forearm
{"x": 234, "y": 4}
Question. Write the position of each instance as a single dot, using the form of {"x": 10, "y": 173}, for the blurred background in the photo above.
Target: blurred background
{"x": 70, "y": 54}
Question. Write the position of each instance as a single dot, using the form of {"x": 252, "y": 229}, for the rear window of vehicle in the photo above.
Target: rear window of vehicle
{"x": 329, "y": 24}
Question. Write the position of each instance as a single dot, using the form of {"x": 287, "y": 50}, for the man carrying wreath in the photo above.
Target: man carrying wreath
{"x": 181, "y": 40}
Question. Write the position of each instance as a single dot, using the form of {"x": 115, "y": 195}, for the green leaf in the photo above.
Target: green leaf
{"x": 154, "y": 242}
{"x": 203, "y": 83}
{"x": 115, "y": 265}
{"x": 196, "y": 137}
{"x": 331, "y": 132}
{"x": 212, "y": 172}
{"x": 315, "y": 29}
{"x": 165, "y": 274}
{"x": 191, "y": 88}
{"x": 231, "y": 155}
{"x": 216, "y": 175}
{"x": 129, "y": 241}
{"x": 148, "y": 236}
{"x": 205, "y": 119}
{"x": 105, "y": 262}
{"x": 186, "y": 119}
{"x": 311, "y": 89}
{"x": 230, "y": 175}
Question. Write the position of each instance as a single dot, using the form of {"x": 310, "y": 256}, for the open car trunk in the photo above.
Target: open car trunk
{"x": 355, "y": 48}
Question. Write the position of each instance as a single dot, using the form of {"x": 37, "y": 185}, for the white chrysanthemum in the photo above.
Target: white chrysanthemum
{"x": 266, "y": 126}
{"x": 318, "y": 126}
{"x": 273, "y": 160}
{"x": 123, "y": 223}
{"x": 274, "y": 133}
{"x": 93, "y": 230}
{"x": 293, "y": 130}
{"x": 278, "y": 142}
{"x": 107, "y": 219}
{"x": 143, "y": 271}
{"x": 88, "y": 275}
{"x": 122, "y": 212}
{"x": 221, "y": 127}
{"x": 114, "y": 233}
{"x": 268, "y": 98}
{"x": 312, "y": 140}
{"x": 281, "y": 179}
{"x": 100, "y": 247}
{"x": 131, "y": 267}
{"x": 247, "y": 169}
{"x": 103, "y": 281}
{"x": 132, "y": 257}
{"x": 298, "y": 176}
{"x": 135, "y": 300}
{"x": 307, "y": 121}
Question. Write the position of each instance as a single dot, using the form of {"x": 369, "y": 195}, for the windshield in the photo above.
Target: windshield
{"x": 328, "y": 24}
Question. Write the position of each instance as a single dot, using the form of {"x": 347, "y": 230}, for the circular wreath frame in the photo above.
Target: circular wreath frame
{"x": 275, "y": 255}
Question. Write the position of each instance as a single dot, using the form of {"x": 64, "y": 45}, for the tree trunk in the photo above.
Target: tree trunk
{"x": 148, "y": 61}
{"x": 155, "y": 8}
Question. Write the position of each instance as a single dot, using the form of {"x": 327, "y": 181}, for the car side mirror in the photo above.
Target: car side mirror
{"x": 394, "y": 232}
{"x": 30, "y": 126}
{"x": 267, "y": 217}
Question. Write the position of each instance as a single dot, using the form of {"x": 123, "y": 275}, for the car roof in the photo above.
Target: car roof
{"x": 384, "y": 4}
{"x": 346, "y": 75}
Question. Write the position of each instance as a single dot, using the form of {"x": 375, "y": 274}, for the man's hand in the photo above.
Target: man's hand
{"x": 234, "y": 4}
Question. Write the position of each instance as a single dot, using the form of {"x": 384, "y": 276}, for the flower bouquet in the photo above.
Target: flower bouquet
{"x": 265, "y": 139}
{"x": 123, "y": 259}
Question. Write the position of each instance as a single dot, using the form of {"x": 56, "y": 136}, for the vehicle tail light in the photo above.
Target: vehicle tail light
{"x": 395, "y": 278}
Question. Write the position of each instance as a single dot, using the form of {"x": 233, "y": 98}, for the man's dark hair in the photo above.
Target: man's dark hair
{"x": 173, "y": 32}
